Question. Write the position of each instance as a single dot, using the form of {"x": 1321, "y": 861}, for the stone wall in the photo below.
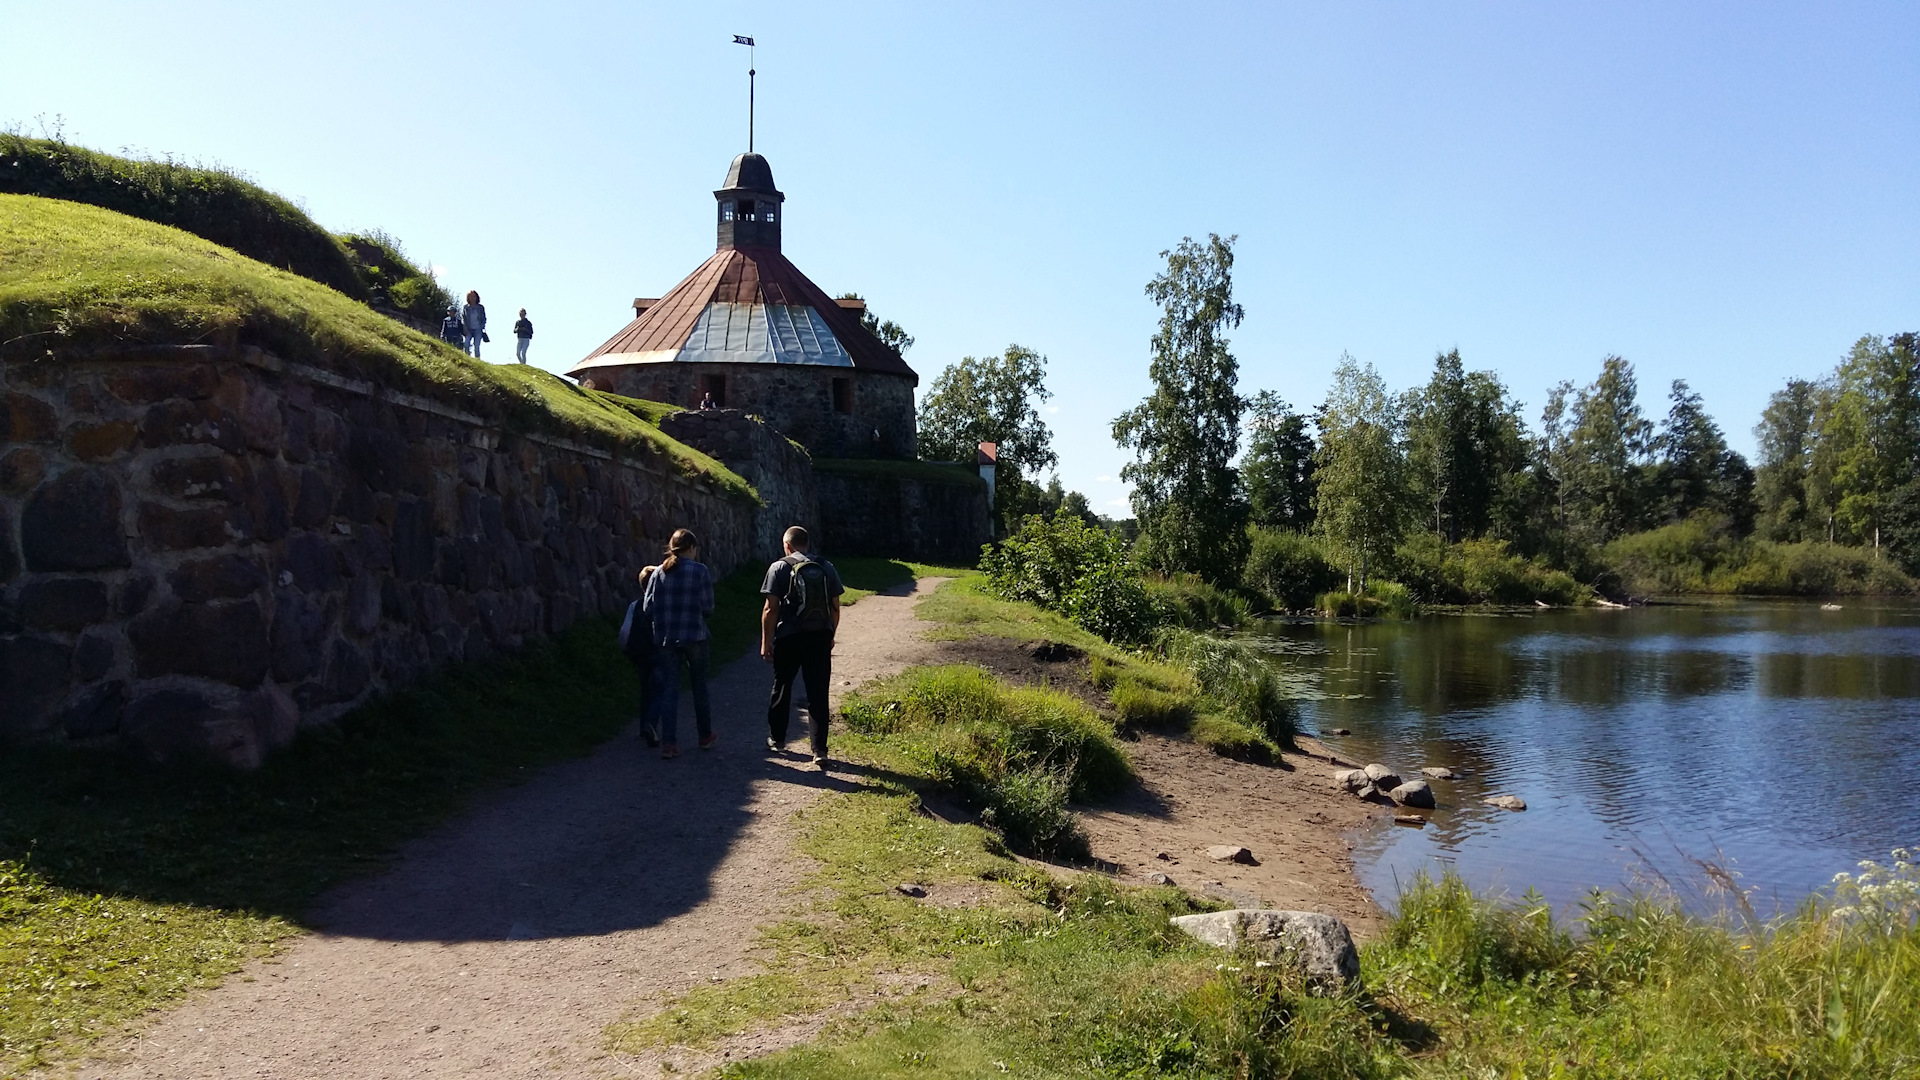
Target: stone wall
{"x": 780, "y": 471}
{"x": 797, "y": 399}
{"x": 202, "y": 549}
{"x": 905, "y": 510}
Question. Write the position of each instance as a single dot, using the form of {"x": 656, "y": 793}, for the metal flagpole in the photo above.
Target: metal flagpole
{"x": 742, "y": 39}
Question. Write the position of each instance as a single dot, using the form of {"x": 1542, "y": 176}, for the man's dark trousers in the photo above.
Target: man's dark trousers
{"x": 809, "y": 655}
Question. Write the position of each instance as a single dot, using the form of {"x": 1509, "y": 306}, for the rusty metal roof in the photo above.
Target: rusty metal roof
{"x": 750, "y": 305}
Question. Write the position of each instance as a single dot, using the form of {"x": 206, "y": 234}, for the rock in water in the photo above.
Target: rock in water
{"x": 1231, "y": 853}
{"x": 1318, "y": 946}
{"x": 1413, "y": 793}
{"x": 1339, "y": 731}
{"x": 1506, "y": 802}
{"x": 1382, "y": 776}
{"x": 1437, "y": 772}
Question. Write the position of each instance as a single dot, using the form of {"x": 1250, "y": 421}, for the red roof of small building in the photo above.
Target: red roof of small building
{"x": 987, "y": 454}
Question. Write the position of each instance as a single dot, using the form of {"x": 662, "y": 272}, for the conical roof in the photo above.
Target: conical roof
{"x": 747, "y": 305}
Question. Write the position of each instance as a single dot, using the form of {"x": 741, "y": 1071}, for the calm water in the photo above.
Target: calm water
{"x": 1775, "y": 737}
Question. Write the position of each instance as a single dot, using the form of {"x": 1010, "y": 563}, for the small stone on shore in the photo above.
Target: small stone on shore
{"x": 1506, "y": 802}
{"x": 1231, "y": 853}
{"x": 1339, "y": 731}
{"x": 1316, "y": 945}
{"x": 1159, "y": 879}
{"x": 1409, "y": 819}
{"x": 909, "y": 889}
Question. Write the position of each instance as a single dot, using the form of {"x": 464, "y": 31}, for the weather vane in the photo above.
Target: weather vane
{"x": 742, "y": 39}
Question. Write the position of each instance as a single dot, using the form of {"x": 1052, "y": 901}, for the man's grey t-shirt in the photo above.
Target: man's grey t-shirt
{"x": 779, "y": 576}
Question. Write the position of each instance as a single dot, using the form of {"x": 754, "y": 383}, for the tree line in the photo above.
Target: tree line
{"x": 1386, "y": 483}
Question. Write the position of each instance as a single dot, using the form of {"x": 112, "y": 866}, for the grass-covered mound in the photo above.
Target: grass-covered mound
{"x": 393, "y": 279}
{"x": 212, "y": 203}
{"x": 76, "y": 277}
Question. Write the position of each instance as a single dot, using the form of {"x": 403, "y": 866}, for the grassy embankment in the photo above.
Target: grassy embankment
{"x": 1041, "y": 977}
{"x": 76, "y": 277}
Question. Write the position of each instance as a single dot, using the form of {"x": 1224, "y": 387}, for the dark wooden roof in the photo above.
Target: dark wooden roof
{"x": 745, "y": 275}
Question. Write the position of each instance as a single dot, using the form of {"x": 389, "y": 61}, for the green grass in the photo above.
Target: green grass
{"x": 75, "y": 276}
{"x": 929, "y": 471}
{"x": 122, "y": 887}
{"x": 211, "y": 202}
{"x": 1240, "y": 712}
{"x": 1048, "y": 978}
{"x": 1017, "y": 754}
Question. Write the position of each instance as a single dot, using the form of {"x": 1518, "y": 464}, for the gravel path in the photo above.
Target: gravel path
{"x": 502, "y": 944}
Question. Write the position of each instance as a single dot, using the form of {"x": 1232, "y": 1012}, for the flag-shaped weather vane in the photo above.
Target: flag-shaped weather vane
{"x": 743, "y": 39}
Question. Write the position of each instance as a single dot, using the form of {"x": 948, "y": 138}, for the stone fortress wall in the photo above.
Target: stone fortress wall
{"x": 202, "y": 549}
{"x": 869, "y": 415}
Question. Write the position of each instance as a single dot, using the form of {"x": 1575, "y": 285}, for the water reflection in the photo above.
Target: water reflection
{"x": 1775, "y": 735}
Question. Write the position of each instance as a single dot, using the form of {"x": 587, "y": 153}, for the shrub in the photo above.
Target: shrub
{"x": 1380, "y": 600}
{"x": 1019, "y": 753}
{"x": 1480, "y": 572}
{"x": 1063, "y": 564}
{"x": 1185, "y": 600}
{"x": 1700, "y": 555}
{"x": 1112, "y": 603}
{"x": 1289, "y": 567}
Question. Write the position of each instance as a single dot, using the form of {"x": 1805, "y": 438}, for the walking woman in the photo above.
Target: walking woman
{"x": 636, "y": 640}
{"x": 678, "y": 598}
{"x": 475, "y": 321}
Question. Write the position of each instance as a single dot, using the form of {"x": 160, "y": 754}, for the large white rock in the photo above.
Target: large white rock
{"x": 1413, "y": 793}
{"x": 1352, "y": 779}
{"x": 1316, "y": 945}
{"x": 1382, "y": 776}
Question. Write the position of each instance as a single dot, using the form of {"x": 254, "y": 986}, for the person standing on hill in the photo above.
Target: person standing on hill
{"x": 474, "y": 318}
{"x": 451, "y": 331}
{"x": 679, "y": 595}
{"x": 797, "y": 624}
{"x": 523, "y": 330}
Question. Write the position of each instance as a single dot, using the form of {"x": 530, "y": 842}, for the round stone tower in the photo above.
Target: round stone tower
{"x": 750, "y": 331}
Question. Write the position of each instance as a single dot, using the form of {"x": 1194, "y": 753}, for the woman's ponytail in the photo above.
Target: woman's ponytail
{"x": 682, "y": 542}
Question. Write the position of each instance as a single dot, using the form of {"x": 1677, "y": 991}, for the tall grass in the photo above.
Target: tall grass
{"x": 1243, "y": 707}
{"x": 1017, "y": 753}
{"x": 1702, "y": 555}
{"x": 1379, "y": 600}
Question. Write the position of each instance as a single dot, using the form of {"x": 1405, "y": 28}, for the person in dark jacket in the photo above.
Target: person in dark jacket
{"x": 474, "y": 321}
{"x": 451, "y": 331}
{"x": 636, "y": 641}
{"x": 523, "y": 329}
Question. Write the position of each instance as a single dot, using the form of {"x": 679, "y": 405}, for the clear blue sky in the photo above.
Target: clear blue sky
{"x": 1725, "y": 193}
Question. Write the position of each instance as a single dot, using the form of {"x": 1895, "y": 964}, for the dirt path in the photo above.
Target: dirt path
{"x": 502, "y": 944}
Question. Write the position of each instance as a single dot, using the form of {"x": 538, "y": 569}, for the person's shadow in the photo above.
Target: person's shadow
{"x": 618, "y": 840}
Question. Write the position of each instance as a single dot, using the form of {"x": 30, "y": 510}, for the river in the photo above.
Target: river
{"x": 1774, "y": 738}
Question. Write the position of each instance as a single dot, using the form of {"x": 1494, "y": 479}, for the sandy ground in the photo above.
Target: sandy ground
{"x": 503, "y": 944}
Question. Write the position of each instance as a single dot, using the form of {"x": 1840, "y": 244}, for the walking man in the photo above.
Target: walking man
{"x": 523, "y": 329}
{"x": 797, "y": 624}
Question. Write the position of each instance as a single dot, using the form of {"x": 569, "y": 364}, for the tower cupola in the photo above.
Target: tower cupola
{"x": 750, "y": 206}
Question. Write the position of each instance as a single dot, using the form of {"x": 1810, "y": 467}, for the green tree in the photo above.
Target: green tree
{"x": 1606, "y": 455}
{"x": 1696, "y": 470}
{"x": 1869, "y": 435}
{"x": 1465, "y": 445}
{"x": 1361, "y": 500}
{"x": 1278, "y": 465}
{"x": 993, "y": 399}
{"x": 1186, "y": 492}
{"x": 1786, "y": 437}
{"x": 889, "y": 332}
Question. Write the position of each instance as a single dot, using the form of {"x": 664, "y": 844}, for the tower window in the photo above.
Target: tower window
{"x": 726, "y": 211}
{"x": 746, "y": 210}
{"x": 715, "y": 386}
{"x": 843, "y": 395}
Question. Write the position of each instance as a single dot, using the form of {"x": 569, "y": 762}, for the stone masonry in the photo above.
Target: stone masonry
{"x": 870, "y": 415}
{"x": 203, "y": 548}
{"x": 778, "y": 469}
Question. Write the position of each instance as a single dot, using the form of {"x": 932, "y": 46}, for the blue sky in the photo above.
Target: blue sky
{"x": 1719, "y": 192}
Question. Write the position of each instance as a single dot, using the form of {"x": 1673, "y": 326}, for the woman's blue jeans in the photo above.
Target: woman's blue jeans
{"x": 473, "y": 343}
{"x": 666, "y": 689}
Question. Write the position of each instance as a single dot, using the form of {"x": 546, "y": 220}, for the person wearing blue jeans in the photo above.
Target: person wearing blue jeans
{"x": 474, "y": 319}
{"x": 677, "y": 600}
{"x": 523, "y": 330}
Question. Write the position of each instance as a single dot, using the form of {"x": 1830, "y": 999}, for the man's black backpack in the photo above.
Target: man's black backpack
{"x": 807, "y": 594}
